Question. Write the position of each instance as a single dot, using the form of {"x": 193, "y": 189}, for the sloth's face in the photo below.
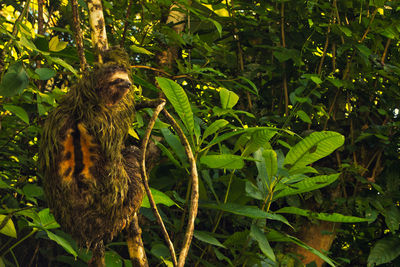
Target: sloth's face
{"x": 116, "y": 87}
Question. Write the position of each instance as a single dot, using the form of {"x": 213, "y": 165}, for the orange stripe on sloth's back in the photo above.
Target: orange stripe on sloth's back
{"x": 88, "y": 156}
{"x": 67, "y": 164}
{"x": 68, "y": 159}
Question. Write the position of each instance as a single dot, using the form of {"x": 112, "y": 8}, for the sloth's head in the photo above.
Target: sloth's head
{"x": 113, "y": 83}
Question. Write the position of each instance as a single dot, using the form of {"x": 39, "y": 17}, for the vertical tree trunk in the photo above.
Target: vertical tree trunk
{"x": 97, "y": 24}
{"x": 319, "y": 236}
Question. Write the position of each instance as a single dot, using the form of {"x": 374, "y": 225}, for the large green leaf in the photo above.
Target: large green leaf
{"x": 62, "y": 242}
{"x": 18, "y": 111}
{"x": 248, "y": 211}
{"x": 159, "y": 198}
{"x": 271, "y": 162}
{"x": 258, "y": 139}
{"x": 306, "y": 185}
{"x": 214, "y": 127}
{"x": 14, "y": 81}
{"x": 179, "y": 100}
{"x": 223, "y": 161}
{"x": 384, "y": 251}
{"x": 228, "y": 98}
{"x": 207, "y": 238}
{"x": 330, "y": 217}
{"x": 9, "y": 228}
{"x": 262, "y": 241}
{"x": 312, "y": 148}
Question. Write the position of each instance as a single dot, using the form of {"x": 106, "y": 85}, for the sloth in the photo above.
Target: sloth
{"x": 92, "y": 181}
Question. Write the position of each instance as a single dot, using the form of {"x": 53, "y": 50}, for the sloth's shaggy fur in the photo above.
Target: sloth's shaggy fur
{"x": 92, "y": 182}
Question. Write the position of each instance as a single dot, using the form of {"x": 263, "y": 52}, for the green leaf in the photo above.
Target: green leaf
{"x": 174, "y": 142}
{"x": 32, "y": 190}
{"x": 168, "y": 154}
{"x": 207, "y": 238}
{"x": 392, "y": 218}
{"x": 214, "y": 127}
{"x": 217, "y": 25}
{"x": 346, "y": 31}
{"x": 336, "y": 82}
{"x": 159, "y": 198}
{"x": 223, "y": 161}
{"x": 9, "y": 228}
{"x": 140, "y": 50}
{"x": 364, "y": 50}
{"x": 271, "y": 162}
{"x": 45, "y": 73}
{"x": 303, "y": 116}
{"x": 306, "y": 185}
{"x": 62, "y": 242}
{"x": 2, "y": 262}
{"x": 330, "y": 217}
{"x": 55, "y": 45}
{"x": 248, "y": 211}
{"x": 64, "y": 64}
{"x": 228, "y": 98}
{"x": 47, "y": 220}
{"x": 316, "y": 79}
{"x": 179, "y": 100}
{"x": 112, "y": 259}
{"x": 258, "y": 139}
{"x": 262, "y": 241}
{"x": 18, "y": 111}
{"x": 312, "y": 148}
{"x": 238, "y": 131}
{"x": 14, "y": 81}
{"x": 384, "y": 251}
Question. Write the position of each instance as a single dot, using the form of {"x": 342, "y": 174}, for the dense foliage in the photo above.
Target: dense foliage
{"x": 291, "y": 109}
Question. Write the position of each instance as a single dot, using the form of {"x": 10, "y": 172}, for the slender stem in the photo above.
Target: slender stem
{"x": 128, "y": 14}
{"x": 145, "y": 179}
{"x": 20, "y": 241}
{"x": 194, "y": 201}
{"x": 385, "y": 51}
{"x": 284, "y": 78}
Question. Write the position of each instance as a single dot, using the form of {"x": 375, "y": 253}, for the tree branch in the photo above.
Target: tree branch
{"x": 194, "y": 201}
{"x": 145, "y": 179}
{"x": 78, "y": 35}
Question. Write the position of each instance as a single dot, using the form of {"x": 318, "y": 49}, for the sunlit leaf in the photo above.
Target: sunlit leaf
{"x": 56, "y": 45}
{"x": 159, "y": 198}
{"x": 312, "y": 148}
{"x": 306, "y": 185}
{"x": 228, "y": 98}
{"x": 9, "y": 228}
{"x": 18, "y": 111}
{"x": 223, "y": 161}
{"x": 179, "y": 100}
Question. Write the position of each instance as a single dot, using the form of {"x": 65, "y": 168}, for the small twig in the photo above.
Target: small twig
{"x": 194, "y": 201}
{"x": 150, "y": 68}
{"x": 369, "y": 25}
{"x": 128, "y": 14}
{"x": 78, "y": 34}
{"x": 385, "y": 51}
{"x": 145, "y": 179}
{"x": 284, "y": 78}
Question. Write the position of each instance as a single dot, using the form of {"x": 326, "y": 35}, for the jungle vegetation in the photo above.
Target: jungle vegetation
{"x": 291, "y": 110}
